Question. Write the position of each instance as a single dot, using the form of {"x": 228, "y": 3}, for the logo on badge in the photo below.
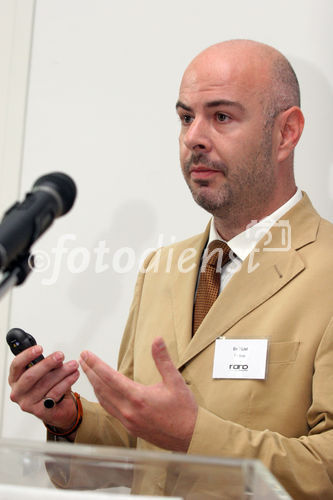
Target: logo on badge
{"x": 239, "y": 367}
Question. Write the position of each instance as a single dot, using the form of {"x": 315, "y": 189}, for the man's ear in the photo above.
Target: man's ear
{"x": 290, "y": 125}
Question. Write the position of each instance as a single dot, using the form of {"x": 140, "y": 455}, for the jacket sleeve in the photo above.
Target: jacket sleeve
{"x": 303, "y": 465}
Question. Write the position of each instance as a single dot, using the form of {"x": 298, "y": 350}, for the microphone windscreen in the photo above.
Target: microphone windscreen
{"x": 63, "y": 185}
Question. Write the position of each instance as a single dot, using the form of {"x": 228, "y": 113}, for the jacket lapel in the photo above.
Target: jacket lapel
{"x": 183, "y": 290}
{"x": 262, "y": 274}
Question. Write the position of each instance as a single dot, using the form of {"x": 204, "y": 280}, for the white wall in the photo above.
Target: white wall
{"x": 103, "y": 85}
{"x": 16, "y": 18}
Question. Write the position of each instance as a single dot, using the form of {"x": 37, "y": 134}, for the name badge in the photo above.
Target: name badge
{"x": 240, "y": 358}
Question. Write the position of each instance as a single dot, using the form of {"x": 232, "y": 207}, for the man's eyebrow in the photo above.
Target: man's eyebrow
{"x": 180, "y": 104}
{"x": 224, "y": 102}
{"x": 212, "y": 104}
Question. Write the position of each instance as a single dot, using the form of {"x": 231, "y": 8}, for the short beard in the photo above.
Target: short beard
{"x": 203, "y": 201}
{"x": 210, "y": 204}
{"x": 247, "y": 188}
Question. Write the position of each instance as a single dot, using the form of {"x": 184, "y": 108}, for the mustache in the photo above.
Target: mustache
{"x": 202, "y": 159}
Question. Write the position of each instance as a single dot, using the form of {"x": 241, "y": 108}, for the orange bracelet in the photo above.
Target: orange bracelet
{"x": 53, "y": 430}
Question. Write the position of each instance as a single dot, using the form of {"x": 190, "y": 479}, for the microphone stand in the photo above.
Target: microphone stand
{"x": 16, "y": 273}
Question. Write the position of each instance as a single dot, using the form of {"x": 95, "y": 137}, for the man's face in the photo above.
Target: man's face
{"x": 225, "y": 142}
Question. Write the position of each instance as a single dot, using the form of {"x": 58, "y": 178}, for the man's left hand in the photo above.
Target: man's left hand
{"x": 163, "y": 414}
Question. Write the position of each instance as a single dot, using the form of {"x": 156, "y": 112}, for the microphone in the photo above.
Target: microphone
{"x": 52, "y": 195}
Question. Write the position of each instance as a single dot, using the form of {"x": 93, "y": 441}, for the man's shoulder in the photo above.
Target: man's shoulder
{"x": 324, "y": 238}
{"x": 316, "y": 252}
{"x": 307, "y": 226}
{"x": 326, "y": 227}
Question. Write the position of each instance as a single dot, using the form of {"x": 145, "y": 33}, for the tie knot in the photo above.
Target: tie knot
{"x": 217, "y": 254}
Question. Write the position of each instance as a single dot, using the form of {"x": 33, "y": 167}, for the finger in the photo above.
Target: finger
{"x": 55, "y": 378}
{"x": 32, "y": 375}
{"x": 58, "y": 390}
{"x": 19, "y": 363}
{"x": 103, "y": 392}
{"x": 164, "y": 363}
{"x": 92, "y": 363}
{"x": 61, "y": 415}
{"x": 96, "y": 373}
{"x": 59, "y": 411}
{"x": 91, "y": 375}
{"x": 100, "y": 374}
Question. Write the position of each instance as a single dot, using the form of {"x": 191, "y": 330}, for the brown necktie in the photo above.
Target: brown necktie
{"x": 209, "y": 279}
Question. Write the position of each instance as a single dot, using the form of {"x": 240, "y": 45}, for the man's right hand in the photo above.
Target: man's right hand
{"x": 50, "y": 378}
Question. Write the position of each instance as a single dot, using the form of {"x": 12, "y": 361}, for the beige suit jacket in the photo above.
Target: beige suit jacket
{"x": 284, "y": 295}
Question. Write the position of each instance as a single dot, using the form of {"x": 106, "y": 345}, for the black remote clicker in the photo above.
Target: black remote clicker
{"x": 19, "y": 340}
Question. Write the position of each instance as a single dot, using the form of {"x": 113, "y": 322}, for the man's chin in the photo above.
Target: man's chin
{"x": 211, "y": 204}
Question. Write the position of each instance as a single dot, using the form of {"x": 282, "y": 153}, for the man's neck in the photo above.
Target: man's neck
{"x": 231, "y": 223}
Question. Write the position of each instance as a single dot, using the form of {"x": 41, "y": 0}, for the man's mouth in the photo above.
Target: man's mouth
{"x": 200, "y": 167}
{"x": 202, "y": 172}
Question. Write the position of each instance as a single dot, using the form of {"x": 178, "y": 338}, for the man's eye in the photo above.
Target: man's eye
{"x": 187, "y": 119}
{"x": 221, "y": 117}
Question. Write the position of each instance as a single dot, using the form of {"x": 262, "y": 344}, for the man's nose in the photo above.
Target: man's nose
{"x": 197, "y": 136}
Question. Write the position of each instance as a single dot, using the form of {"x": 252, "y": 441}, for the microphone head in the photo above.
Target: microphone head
{"x": 61, "y": 186}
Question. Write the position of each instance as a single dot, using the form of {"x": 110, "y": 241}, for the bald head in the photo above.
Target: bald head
{"x": 240, "y": 122}
{"x": 265, "y": 69}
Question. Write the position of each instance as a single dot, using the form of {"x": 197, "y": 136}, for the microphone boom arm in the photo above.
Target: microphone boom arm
{"x": 16, "y": 274}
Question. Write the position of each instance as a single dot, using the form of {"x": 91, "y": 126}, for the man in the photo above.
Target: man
{"x": 240, "y": 122}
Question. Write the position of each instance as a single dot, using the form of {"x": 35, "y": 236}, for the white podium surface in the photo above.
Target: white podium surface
{"x": 9, "y": 492}
{"x": 64, "y": 471}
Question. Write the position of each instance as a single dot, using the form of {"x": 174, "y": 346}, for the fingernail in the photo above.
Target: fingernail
{"x": 73, "y": 364}
{"x": 37, "y": 349}
{"x": 58, "y": 356}
{"x": 84, "y": 355}
{"x": 160, "y": 343}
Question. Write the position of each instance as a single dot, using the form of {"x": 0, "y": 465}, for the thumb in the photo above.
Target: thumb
{"x": 164, "y": 364}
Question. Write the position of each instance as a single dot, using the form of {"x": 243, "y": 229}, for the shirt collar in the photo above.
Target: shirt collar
{"x": 243, "y": 243}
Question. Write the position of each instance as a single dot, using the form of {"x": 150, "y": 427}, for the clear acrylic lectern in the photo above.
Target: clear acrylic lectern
{"x": 33, "y": 470}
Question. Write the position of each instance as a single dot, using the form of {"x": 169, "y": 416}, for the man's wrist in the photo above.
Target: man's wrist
{"x": 69, "y": 433}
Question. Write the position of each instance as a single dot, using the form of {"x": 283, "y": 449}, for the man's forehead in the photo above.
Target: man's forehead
{"x": 208, "y": 88}
{"x": 206, "y": 75}
{"x": 214, "y": 70}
